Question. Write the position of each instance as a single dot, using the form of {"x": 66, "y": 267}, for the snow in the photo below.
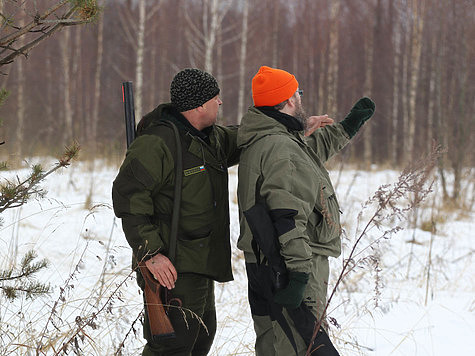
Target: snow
{"x": 422, "y": 308}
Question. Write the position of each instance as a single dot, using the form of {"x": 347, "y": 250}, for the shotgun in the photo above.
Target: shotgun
{"x": 128, "y": 99}
{"x": 160, "y": 326}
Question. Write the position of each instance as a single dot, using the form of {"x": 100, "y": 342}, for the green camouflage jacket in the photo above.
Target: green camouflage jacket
{"x": 143, "y": 193}
{"x": 285, "y": 170}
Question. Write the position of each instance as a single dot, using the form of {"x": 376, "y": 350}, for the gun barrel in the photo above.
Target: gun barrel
{"x": 128, "y": 99}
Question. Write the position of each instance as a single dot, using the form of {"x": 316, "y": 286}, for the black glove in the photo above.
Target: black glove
{"x": 292, "y": 295}
{"x": 361, "y": 111}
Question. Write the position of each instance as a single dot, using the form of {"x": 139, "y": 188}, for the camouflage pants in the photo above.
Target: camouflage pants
{"x": 192, "y": 339}
{"x": 270, "y": 338}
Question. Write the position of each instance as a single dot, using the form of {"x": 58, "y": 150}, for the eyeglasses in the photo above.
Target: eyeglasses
{"x": 300, "y": 91}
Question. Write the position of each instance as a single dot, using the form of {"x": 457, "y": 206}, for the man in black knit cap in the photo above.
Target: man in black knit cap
{"x": 143, "y": 196}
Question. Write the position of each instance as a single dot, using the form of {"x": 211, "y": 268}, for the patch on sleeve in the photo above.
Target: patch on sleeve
{"x": 284, "y": 220}
{"x": 194, "y": 170}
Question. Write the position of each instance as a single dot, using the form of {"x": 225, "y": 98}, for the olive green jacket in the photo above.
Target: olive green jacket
{"x": 143, "y": 193}
{"x": 285, "y": 170}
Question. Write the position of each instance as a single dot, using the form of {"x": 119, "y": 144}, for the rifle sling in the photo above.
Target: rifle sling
{"x": 177, "y": 194}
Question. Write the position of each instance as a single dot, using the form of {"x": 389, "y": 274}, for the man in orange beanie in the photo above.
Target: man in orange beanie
{"x": 289, "y": 213}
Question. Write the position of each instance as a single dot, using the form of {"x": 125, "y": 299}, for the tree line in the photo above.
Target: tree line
{"x": 414, "y": 58}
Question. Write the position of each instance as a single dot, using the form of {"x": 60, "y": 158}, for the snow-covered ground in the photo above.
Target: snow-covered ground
{"x": 417, "y": 299}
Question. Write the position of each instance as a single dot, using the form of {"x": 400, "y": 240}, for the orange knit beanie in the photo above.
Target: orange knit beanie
{"x": 272, "y": 86}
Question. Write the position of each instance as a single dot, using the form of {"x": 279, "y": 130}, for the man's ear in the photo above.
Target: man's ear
{"x": 292, "y": 102}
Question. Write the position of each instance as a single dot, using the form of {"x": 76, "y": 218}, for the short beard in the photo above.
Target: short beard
{"x": 301, "y": 115}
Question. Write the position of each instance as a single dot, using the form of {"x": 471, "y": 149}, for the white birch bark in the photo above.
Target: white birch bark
{"x": 333, "y": 64}
{"x": 65, "y": 44}
{"x": 202, "y": 40}
{"x": 20, "y": 116}
{"x": 210, "y": 34}
{"x": 395, "y": 110}
{"x": 432, "y": 94}
{"x": 275, "y": 34}
{"x": 367, "y": 89}
{"x": 416, "y": 49}
{"x": 403, "y": 139}
{"x": 97, "y": 86}
{"x": 138, "y": 100}
{"x": 242, "y": 60}
{"x": 50, "y": 100}
{"x": 77, "y": 105}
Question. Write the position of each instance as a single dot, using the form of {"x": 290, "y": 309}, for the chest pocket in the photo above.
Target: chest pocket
{"x": 324, "y": 221}
{"x": 201, "y": 192}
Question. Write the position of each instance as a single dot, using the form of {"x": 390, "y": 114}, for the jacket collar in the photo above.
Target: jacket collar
{"x": 185, "y": 125}
{"x": 288, "y": 121}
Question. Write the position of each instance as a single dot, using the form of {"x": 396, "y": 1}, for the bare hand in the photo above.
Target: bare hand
{"x": 163, "y": 270}
{"x": 315, "y": 122}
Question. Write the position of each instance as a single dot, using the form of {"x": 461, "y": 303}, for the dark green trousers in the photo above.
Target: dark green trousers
{"x": 192, "y": 338}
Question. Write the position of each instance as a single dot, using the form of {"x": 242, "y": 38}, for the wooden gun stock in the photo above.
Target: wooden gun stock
{"x": 160, "y": 326}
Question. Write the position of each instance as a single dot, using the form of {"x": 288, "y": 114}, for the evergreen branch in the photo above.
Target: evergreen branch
{"x": 25, "y": 29}
{"x": 14, "y": 194}
{"x": 24, "y": 279}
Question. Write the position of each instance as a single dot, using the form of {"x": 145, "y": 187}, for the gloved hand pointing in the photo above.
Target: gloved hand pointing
{"x": 359, "y": 114}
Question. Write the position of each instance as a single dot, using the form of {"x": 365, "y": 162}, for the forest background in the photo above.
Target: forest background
{"x": 414, "y": 58}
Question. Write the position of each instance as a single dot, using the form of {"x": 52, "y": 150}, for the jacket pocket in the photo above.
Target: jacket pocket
{"x": 324, "y": 222}
{"x": 192, "y": 254}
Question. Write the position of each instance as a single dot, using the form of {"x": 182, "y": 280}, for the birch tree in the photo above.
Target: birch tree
{"x": 140, "y": 59}
{"x": 333, "y": 52}
{"x": 242, "y": 59}
{"x": 65, "y": 46}
{"x": 135, "y": 29}
{"x": 417, "y": 12}
{"x": 202, "y": 38}
{"x": 97, "y": 86}
{"x": 395, "y": 99}
{"x": 368, "y": 86}
{"x": 21, "y": 103}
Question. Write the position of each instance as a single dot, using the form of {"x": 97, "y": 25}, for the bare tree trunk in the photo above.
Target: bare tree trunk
{"x": 369, "y": 54}
{"x": 432, "y": 93}
{"x": 156, "y": 63}
{"x": 210, "y": 34}
{"x": 416, "y": 49}
{"x": 333, "y": 49}
{"x": 20, "y": 117}
{"x": 65, "y": 44}
{"x": 49, "y": 100}
{"x": 219, "y": 60}
{"x": 139, "y": 61}
{"x": 202, "y": 41}
{"x": 97, "y": 87}
{"x": 403, "y": 139}
{"x": 312, "y": 58}
{"x": 321, "y": 100}
{"x": 275, "y": 34}
{"x": 395, "y": 112}
{"x": 242, "y": 60}
{"x": 77, "y": 106}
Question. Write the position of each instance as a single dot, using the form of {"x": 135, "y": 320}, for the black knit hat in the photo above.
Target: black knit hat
{"x": 191, "y": 88}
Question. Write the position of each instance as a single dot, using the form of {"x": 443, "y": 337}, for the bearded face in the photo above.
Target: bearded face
{"x": 300, "y": 114}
